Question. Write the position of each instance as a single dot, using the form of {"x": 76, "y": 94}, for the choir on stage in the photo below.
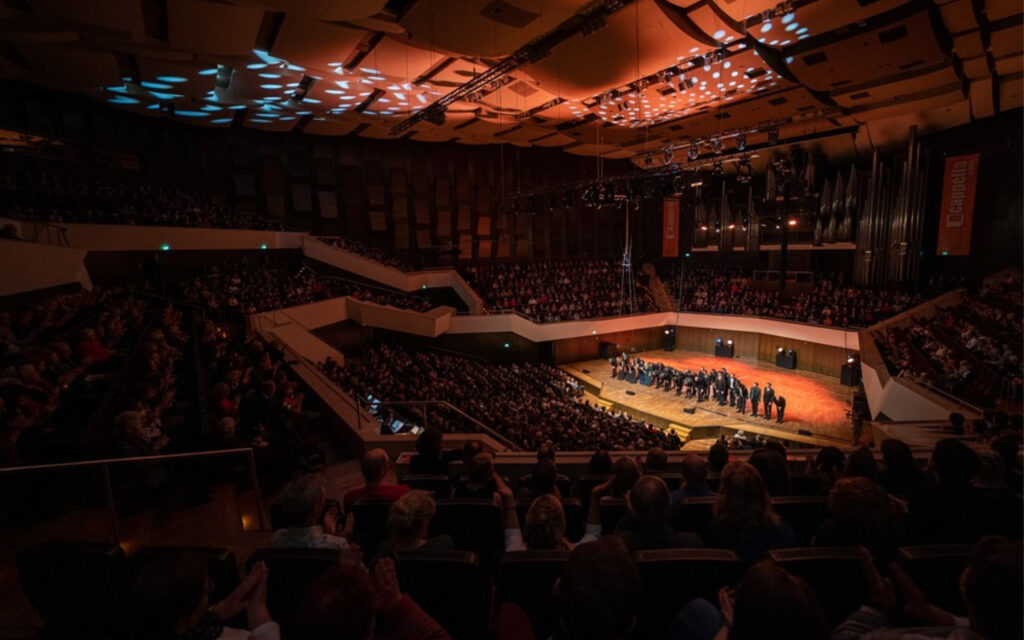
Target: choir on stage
{"x": 717, "y": 385}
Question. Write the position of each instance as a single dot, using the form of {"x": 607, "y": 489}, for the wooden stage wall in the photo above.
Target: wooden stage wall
{"x": 810, "y": 356}
{"x": 589, "y": 347}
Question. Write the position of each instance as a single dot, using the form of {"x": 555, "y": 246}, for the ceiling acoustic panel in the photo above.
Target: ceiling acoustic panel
{"x": 328, "y": 10}
{"x": 312, "y": 44}
{"x": 117, "y": 18}
{"x": 583, "y": 66}
{"x": 870, "y": 56}
{"x": 486, "y": 28}
{"x": 212, "y": 28}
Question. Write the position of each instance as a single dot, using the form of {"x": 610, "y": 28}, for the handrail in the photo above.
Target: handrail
{"x": 940, "y": 392}
{"x": 305, "y": 264}
{"x": 103, "y": 461}
{"x": 104, "y": 464}
{"x": 488, "y": 430}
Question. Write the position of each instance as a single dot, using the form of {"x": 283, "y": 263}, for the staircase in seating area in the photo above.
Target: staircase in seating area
{"x": 656, "y": 286}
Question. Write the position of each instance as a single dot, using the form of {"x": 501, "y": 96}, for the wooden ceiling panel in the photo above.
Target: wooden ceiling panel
{"x": 883, "y": 52}
{"x": 584, "y": 66}
{"x": 328, "y": 10}
{"x": 123, "y": 18}
{"x": 212, "y": 28}
{"x": 485, "y": 27}
{"x": 312, "y": 44}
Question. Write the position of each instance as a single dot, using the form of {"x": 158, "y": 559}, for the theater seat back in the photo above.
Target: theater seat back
{"x": 673, "y": 577}
{"x": 370, "y": 523}
{"x": 290, "y": 571}
{"x": 474, "y": 525}
{"x": 448, "y": 585}
{"x": 221, "y": 565}
{"x": 694, "y": 514}
{"x": 834, "y": 573}
{"x": 612, "y": 510}
{"x": 527, "y": 579}
{"x": 439, "y": 486}
{"x": 804, "y": 514}
{"x": 77, "y": 588}
{"x": 936, "y": 568}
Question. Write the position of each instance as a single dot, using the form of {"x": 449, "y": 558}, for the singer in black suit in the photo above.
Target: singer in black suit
{"x": 780, "y": 405}
{"x": 755, "y": 399}
{"x": 741, "y": 398}
{"x": 769, "y": 400}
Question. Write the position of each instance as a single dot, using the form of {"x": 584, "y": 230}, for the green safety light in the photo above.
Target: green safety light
{"x": 945, "y": 253}
{"x": 263, "y": 246}
{"x": 507, "y": 345}
{"x": 165, "y": 247}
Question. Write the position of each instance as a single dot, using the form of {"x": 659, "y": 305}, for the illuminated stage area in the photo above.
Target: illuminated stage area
{"x": 815, "y": 403}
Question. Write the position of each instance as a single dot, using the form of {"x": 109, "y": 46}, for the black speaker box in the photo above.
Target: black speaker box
{"x": 850, "y": 375}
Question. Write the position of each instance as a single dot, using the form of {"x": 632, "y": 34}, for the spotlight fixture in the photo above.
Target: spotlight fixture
{"x": 792, "y": 222}
{"x": 773, "y": 136}
{"x": 716, "y": 146}
{"x": 703, "y": 227}
{"x": 850, "y": 359}
{"x": 779, "y": 349}
{"x": 729, "y": 342}
{"x": 693, "y": 153}
{"x": 741, "y": 142}
{"x": 731, "y": 227}
{"x": 667, "y": 155}
{"x": 718, "y": 342}
{"x": 744, "y": 170}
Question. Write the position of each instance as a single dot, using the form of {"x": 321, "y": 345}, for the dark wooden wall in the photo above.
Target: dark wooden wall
{"x": 399, "y": 195}
{"x": 818, "y": 358}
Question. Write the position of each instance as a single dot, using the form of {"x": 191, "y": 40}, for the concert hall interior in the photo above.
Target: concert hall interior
{"x": 511, "y": 319}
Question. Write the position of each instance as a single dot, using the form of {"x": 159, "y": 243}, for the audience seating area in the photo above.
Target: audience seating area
{"x": 970, "y": 350}
{"x": 468, "y": 587}
{"x": 526, "y": 403}
{"x": 832, "y": 302}
{"x": 49, "y": 198}
{"x": 558, "y": 291}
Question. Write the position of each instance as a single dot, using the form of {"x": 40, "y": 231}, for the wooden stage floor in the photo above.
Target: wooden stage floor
{"x": 814, "y": 402}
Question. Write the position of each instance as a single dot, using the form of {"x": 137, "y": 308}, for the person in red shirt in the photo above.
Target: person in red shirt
{"x": 376, "y": 465}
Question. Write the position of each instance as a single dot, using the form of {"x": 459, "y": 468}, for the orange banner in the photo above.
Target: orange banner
{"x": 670, "y": 227}
{"x": 957, "y": 213}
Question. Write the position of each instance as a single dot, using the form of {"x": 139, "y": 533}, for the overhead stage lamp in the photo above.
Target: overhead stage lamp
{"x": 667, "y": 155}
{"x": 792, "y": 222}
{"x": 693, "y": 152}
{"x": 779, "y": 349}
{"x": 716, "y": 146}
{"x": 850, "y": 359}
{"x": 741, "y": 142}
{"x": 729, "y": 342}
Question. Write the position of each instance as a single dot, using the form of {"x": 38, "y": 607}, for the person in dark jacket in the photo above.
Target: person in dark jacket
{"x": 769, "y": 400}
{"x": 755, "y": 399}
